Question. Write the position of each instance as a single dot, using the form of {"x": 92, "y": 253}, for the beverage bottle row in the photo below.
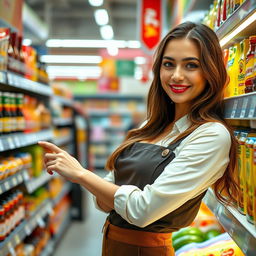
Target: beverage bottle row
{"x": 240, "y": 61}
{"x": 22, "y": 113}
{"x": 21, "y": 59}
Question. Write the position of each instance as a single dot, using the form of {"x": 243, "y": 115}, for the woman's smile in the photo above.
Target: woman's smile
{"x": 179, "y": 88}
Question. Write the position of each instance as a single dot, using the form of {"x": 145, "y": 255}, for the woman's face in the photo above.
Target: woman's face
{"x": 181, "y": 73}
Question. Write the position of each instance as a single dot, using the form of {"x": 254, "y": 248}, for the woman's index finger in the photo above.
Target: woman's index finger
{"x": 49, "y": 146}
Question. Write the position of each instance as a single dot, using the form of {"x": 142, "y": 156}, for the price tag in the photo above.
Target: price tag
{"x": 234, "y": 109}
{"x": 17, "y": 239}
{"x": 7, "y": 185}
{"x": 16, "y": 141}
{"x": 1, "y": 191}
{"x": 27, "y": 230}
{"x": 2, "y": 77}
{"x": 25, "y": 176}
{"x": 11, "y": 144}
{"x": 1, "y": 145}
{"x": 10, "y": 79}
{"x": 19, "y": 178}
{"x": 14, "y": 181}
{"x": 244, "y": 107}
{"x": 40, "y": 222}
{"x": 11, "y": 249}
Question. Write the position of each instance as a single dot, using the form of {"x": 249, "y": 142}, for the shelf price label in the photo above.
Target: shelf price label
{"x": 25, "y": 176}
{"x": 14, "y": 181}
{"x": 28, "y": 230}
{"x": 252, "y": 108}
{"x": 11, "y": 143}
{"x": 40, "y": 222}
{"x": 11, "y": 249}
{"x": 19, "y": 177}
{"x": 244, "y": 107}
{"x": 17, "y": 239}
{"x": 7, "y": 185}
{"x": 234, "y": 108}
{"x": 1, "y": 146}
{"x": 1, "y": 191}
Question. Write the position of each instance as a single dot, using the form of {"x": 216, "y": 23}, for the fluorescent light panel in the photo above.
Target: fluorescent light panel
{"x": 236, "y": 31}
{"x": 57, "y": 43}
{"x": 95, "y": 2}
{"x": 106, "y": 32}
{"x": 101, "y": 17}
{"x": 71, "y": 59}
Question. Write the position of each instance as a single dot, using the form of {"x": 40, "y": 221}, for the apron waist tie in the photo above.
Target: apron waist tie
{"x": 136, "y": 237}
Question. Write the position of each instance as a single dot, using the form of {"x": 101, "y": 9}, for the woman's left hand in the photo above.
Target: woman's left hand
{"x": 58, "y": 160}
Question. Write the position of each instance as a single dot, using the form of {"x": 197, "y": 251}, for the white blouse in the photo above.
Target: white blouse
{"x": 200, "y": 160}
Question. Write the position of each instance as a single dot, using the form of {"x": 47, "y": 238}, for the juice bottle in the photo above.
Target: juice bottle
{"x": 254, "y": 182}
{"x": 250, "y": 65}
{"x": 241, "y": 67}
{"x": 249, "y": 177}
{"x": 230, "y": 89}
{"x": 7, "y": 121}
{"x": 254, "y": 73}
{"x": 241, "y": 149}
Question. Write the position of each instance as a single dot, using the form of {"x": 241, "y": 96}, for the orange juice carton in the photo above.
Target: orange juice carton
{"x": 249, "y": 183}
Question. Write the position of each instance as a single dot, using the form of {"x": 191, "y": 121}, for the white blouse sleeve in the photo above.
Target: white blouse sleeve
{"x": 201, "y": 159}
{"x": 109, "y": 177}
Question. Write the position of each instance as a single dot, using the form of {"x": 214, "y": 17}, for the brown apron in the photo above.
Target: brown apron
{"x": 128, "y": 242}
{"x": 139, "y": 165}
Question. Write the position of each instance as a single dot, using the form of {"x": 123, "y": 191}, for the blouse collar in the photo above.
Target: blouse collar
{"x": 182, "y": 124}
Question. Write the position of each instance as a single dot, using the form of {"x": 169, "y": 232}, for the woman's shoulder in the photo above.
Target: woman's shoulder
{"x": 213, "y": 129}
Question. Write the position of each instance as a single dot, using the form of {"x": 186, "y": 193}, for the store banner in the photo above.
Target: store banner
{"x": 151, "y": 20}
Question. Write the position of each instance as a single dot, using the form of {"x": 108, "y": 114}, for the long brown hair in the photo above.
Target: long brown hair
{"x": 207, "y": 107}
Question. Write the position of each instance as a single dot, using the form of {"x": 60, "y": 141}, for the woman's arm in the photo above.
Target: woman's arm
{"x": 67, "y": 166}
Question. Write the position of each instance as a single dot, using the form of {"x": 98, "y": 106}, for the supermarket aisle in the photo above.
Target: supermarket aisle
{"x": 84, "y": 238}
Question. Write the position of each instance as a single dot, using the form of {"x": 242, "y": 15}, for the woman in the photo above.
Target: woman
{"x": 162, "y": 170}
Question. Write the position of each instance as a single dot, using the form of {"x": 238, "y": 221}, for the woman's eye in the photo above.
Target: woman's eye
{"x": 192, "y": 65}
{"x": 168, "y": 64}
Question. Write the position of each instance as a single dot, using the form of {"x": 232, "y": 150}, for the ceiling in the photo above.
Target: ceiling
{"x": 74, "y": 19}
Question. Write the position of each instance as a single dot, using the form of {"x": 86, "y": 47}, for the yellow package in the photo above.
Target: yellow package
{"x": 249, "y": 177}
{"x": 223, "y": 248}
{"x": 254, "y": 182}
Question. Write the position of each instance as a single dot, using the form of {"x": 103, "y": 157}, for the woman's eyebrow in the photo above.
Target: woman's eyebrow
{"x": 185, "y": 59}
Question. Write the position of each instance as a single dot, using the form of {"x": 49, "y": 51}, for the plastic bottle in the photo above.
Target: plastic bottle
{"x": 7, "y": 122}
{"x": 249, "y": 76}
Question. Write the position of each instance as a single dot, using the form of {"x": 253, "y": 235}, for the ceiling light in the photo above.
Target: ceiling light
{"x": 101, "y": 17}
{"x": 237, "y": 30}
{"x": 71, "y": 59}
{"x": 71, "y": 43}
{"x": 106, "y": 32}
{"x": 95, "y": 2}
{"x": 74, "y": 71}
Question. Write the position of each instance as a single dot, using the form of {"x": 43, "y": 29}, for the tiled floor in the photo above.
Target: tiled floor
{"x": 84, "y": 238}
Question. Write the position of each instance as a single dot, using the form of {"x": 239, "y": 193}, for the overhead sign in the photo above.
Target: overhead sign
{"x": 151, "y": 19}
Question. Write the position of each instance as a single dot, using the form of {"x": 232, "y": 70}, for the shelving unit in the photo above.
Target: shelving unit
{"x": 242, "y": 107}
{"x": 14, "y": 141}
{"x": 243, "y": 233}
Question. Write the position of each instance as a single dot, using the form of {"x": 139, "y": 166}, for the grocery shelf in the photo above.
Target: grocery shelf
{"x": 25, "y": 228}
{"x": 62, "y": 121}
{"x": 65, "y": 190}
{"x": 241, "y": 107}
{"x": 241, "y": 231}
{"x": 49, "y": 248}
{"x": 36, "y": 182}
{"x": 247, "y": 9}
{"x": 17, "y": 140}
{"x": 109, "y": 96}
{"x": 63, "y": 101}
{"x": 13, "y": 181}
{"x": 108, "y": 113}
{"x": 11, "y": 79}
{"x": 62, "y": 140}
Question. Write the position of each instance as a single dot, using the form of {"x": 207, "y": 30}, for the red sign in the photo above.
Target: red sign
{"x": 151, "y": 23}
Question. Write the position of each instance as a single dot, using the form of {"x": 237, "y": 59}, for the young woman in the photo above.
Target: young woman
{"x": 160, "y": 173}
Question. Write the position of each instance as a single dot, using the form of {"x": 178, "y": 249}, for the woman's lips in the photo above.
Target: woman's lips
{"x": 178, "y": 88}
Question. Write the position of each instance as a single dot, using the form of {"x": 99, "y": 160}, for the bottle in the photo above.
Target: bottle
{"x": 250, "y": 65}
{"x": 6, "y": 113}
{"x": 2, "y": 223}
{"x": 1, "y": 113}
{"x": 241, "y": 64}
{"x": 19, "y": 113}
{"x": 13, "y": 112}
{"x": 254, "y": 77}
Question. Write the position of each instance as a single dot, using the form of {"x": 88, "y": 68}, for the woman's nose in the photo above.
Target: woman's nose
{"x": 177, "y": 75}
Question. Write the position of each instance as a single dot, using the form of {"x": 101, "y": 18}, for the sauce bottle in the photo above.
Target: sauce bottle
{"x": 250, "y": 65}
